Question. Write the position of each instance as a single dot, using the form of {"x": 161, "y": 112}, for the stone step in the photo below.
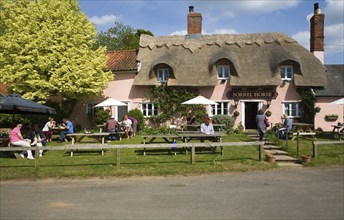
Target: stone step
{"x": 285, "y": 158}
{"x": 276, "y": 152}
{"x": 289, "y": 164}
{"x": 269, "y": 147}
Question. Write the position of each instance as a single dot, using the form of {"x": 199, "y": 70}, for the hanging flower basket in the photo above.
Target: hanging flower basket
{"x": 331, "y": 117}
{"x": 317, "y": 109}
{"x": 236, "y": 113}
{"x": 268, "y": 113}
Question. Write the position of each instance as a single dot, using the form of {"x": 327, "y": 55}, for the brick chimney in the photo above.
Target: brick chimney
{"x": 194, "y": 22}
{"x": 317, "y": 33}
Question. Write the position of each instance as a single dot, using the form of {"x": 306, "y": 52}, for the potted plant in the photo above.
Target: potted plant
{"x": 268, "y": 113}
{"x": 236, "y": 113}
{"x": 317, "y": 109}
{"x": 331, "y": 117}
{"x": 270, "y": 158}
{"x": 306, "y": 158}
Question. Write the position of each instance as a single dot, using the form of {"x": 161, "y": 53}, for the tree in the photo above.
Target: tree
{"x": 120, "y": 37}
{"x": 46, "y": 48}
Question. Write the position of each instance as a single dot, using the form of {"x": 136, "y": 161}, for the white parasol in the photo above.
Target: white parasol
{"x": 110, "y": 102}
{"x": 338, "y": 102}
{"x": 199, "y": 100}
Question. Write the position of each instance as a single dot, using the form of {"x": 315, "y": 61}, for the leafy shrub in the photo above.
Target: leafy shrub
{"x": 100, "y": 117}
{"x": 224, "y": 119}
{"x": 136, "y": 113}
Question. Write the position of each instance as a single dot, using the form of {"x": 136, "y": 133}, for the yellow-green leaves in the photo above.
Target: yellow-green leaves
{"x": 45, "y": 46}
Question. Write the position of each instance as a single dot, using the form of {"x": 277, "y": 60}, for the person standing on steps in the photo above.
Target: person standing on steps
{"x": 261, "y": 124}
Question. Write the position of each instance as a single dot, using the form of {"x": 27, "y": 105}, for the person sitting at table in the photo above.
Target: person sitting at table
{"x": 69, "y": 129}
{"x": 111, "y": 126}
{"x": 127, "y": 126}
{"x": 17, "y": 139}
{"x": 190, "y": 120}
{"x": 37, "y": 138}
{"x": 287, "y": 125}
{"x": 206, "y": 128}
{"x": 47, "y": 129}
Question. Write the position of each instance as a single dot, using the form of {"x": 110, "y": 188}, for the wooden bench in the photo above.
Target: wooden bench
{"x": 77, "y": 147}
{"x": 117, "y": 134}
{"x": 16, "y": 154}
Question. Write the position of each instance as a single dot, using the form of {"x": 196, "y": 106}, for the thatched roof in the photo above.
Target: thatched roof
{"x": 255, "y": 57}
{"x": 335, "y": 79}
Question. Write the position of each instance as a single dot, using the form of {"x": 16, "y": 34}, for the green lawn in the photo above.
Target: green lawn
{"x": 59, "y": 164}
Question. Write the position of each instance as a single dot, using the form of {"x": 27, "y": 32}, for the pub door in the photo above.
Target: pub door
{"x": 251, "y": 110}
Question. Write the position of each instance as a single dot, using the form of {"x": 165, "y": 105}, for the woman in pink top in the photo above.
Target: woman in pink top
{"x": 17, "y": 139}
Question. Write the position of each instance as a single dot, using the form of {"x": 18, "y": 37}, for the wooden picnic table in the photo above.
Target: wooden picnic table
{"x": 78, "y": 137}
{"x": 218, "y": 127}
{"x": 303, "y": 129}
{"x": 337, "y": 129}
{"x": 153, "y": 137}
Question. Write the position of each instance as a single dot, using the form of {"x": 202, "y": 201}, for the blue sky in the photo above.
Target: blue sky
{"x": 225, "y": 17}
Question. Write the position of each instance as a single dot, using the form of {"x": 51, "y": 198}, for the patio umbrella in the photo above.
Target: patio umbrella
{"x": 199, "y": 100}
{"x": 15, "y": 104}
{"x": 110, "y": 102}
{"x": 338, "y": 102}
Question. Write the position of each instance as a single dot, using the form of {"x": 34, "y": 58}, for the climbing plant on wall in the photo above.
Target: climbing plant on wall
{"x": 169, "y": 100}
{"x": 307, "y": 105}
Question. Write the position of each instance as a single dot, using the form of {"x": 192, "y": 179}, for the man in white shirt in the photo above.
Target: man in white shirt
{"x": 207, "y": 128}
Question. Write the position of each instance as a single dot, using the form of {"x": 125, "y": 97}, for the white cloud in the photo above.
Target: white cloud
{"x": 216, "y": 31}
{"x": 182, "y": 32}
{"x": 303, "y": 38}
{"x": 103, "y": 20}
{"x": 334, "y": 12}
{"x": 223, "y": 31}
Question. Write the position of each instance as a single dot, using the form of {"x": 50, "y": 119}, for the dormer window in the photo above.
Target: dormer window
{"x": 223, "y": 72}
{"x": 163, "y": 75}
{"x": 286, "y": 72}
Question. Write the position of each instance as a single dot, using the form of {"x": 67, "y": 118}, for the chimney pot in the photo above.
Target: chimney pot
{"x": 191, "y": 9}
{"x": 316, "y": 6}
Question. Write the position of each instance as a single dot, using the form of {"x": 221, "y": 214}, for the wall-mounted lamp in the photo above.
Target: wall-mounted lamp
{"x": 268, "y": 102}
{"x": 236, "y": 102}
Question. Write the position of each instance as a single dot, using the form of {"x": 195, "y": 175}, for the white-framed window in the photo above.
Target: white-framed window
{"x": 223, "y": 72}
{"x": 90, "y": 111}
{"x": 286, "y": 72}
{"x": 149, "y": 109}
{"x": 292, "y": 109}
{"x": 163, "y": 75}
{"x": 222, "y": 108}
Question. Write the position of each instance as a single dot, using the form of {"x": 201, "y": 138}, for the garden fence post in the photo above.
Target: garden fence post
{"x": 192, "y": 156}
{"x": 297, "y": 144}
{"x": 118, "y": 163}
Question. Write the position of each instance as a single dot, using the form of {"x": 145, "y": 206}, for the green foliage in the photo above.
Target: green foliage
{"x": 169, "y": 100}
{"x": 100, "y": 117}
{"x": 268, "y": 113}
{"x": 120, "y": 37}
{"x": 224, "y": 119}
{"x": 136, "y": 113}
{"x": 307, "y": 105}
{"x": 46, "y": 48}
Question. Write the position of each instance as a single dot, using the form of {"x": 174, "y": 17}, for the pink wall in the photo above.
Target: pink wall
{"x": 327, "y": 108}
